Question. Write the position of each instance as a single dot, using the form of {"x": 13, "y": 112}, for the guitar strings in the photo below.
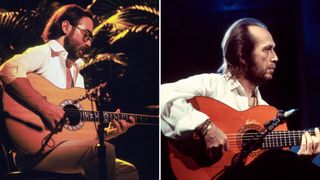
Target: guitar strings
{"x": 268, "y": 141}
{"x": 269, "y": 137}
{"x": 236, "y": 143}
{"x": 271, "y": 140}
{"x": 75, "y": 112}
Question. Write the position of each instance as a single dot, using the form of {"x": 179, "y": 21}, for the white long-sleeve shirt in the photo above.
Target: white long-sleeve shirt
{"x": 47, "y": 60}
{"x": 179, "y": 119}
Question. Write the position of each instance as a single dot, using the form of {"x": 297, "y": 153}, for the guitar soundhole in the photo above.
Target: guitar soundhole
{"x": 251, "y": 138}
{"x": 73, "y": 114}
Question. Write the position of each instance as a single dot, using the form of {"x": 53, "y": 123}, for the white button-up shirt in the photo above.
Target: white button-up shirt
{"x": 47, "y": 60}
{"x": 179, "y": 119}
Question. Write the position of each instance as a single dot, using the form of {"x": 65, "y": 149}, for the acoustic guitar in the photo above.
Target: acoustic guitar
{"x": 187, "y": 157}
{"x": 28, "y": 132}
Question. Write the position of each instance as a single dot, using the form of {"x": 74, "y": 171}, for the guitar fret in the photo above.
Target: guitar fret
{"x": 300, "y": 133}
{"x": 84, "y": 116}
{"x": 284, "y": 138}
{"x": 273, "y": 144}
{"x": 294, "y": 138}
{"x": 299, "y": 137}
{"x": 269, "y": 143}
{"x": 87, "y": 115}
{"x": 104, "y": 114}
{"x": 280, "y": 139}
{"x": 108, "y": 116}
{"x": 265, "y": 143}
{"x": 276, "y": 134}
{"x": 288, "y": 139}
{"x": 276, "y": 139}
{"x": 90, "y": 116}
{"x": 293, "y": 141}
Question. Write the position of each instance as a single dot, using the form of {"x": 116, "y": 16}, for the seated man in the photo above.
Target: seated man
{"x": 67, "y": 33}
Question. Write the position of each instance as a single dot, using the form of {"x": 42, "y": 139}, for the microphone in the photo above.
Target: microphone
{"x": 281, "y": 114}
{"x": 281, "y": 118}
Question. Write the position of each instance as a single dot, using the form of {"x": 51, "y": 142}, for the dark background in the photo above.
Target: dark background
{"x": 192, "y": 32}
{"x": 137, "y": 89}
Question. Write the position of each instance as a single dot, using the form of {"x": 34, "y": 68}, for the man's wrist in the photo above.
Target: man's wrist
{"x": 204, "y": 128}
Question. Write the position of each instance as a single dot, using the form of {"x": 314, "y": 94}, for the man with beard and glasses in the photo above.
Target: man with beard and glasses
{"x": 249, "y": 61}
{"x": 67, "y": 34}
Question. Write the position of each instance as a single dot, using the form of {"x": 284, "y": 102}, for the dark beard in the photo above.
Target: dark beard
{"x": 70, "y": 47}
{"x": 255, "y": 74}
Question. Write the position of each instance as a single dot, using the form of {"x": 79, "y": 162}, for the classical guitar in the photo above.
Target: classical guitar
{"x": 26, "y": 127}
{"x": 187, "y": 157}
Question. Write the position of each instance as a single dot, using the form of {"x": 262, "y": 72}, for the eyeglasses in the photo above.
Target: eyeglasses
{"x": 87, "y": 35}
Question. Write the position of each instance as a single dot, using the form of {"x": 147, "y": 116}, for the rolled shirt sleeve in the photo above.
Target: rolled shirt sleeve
{"x": 19, "y": 65}
{"x": 178, "y": 118}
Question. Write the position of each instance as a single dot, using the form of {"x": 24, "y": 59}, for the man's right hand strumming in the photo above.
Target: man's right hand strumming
{"x": 52, "y": 114}
{"x": 216, "y": 141}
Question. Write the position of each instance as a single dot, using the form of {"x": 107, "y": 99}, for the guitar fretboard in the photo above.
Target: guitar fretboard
{"x": 108, "y": 116}
{"x": 284, "y": 138}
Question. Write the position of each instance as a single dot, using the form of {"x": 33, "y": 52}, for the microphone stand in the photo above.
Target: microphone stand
{"x": 253, "y": 144}
{"x": 101, "y": 135}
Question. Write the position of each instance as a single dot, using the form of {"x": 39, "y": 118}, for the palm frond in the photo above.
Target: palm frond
{"x": 114, "y": 23}
{"x": 134, "y": 19}
{"x": 21, "y": 29}
{"x": 152, "y": 30}
{"x": 105, "y": 7}
{"x": 145, "y": 8}
{"x": 13, "y": 25}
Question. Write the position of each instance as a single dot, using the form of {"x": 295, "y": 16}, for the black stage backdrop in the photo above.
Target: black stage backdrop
{"x": 192, "y": 32}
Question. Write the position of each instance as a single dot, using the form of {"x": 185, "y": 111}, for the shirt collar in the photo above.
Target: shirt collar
{"x": 57, "y": 49}
{"x": 234, "y": 84}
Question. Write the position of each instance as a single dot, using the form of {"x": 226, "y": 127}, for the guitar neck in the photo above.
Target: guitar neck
{"x": 108, "y": 116}
{"x": 284, "y": 138}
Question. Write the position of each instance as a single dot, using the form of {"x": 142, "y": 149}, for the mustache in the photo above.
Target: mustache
{"x": 273, "y": 66}
{"x": 84, "y": 49}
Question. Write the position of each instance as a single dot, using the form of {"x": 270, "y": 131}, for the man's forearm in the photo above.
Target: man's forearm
{"x": 23, "y": 89}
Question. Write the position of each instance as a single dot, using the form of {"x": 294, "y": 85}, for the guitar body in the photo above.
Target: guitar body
{"x": 31, "y": 140}
{"x": 186, "y": 156}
